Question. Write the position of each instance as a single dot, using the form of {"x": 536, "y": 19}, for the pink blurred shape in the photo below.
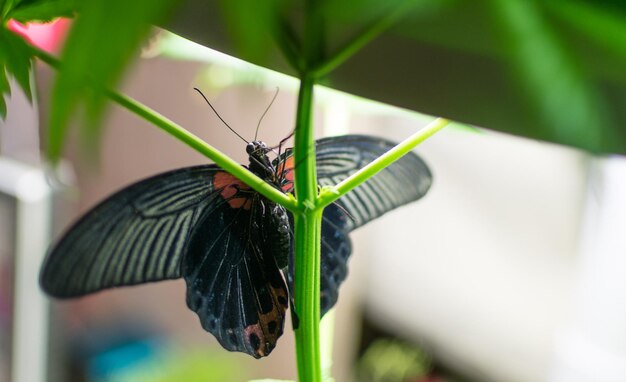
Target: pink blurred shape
{"x": 48, "y": 36}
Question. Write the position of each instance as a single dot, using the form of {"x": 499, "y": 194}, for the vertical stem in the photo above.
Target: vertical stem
{"x": 308, "y": 225}
{"x": 307, "y": 241}
{"x": 307, "y": 286}
{"x": 304, "y": 147}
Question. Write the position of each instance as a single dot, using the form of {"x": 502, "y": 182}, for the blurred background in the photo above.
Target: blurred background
{"x": 485, "y": 279}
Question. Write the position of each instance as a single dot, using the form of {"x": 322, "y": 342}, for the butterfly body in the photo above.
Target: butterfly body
{"x": 231, "y": 245}
{"x": 261, "y": 228}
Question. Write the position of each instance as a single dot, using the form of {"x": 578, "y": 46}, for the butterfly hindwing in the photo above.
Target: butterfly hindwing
{"x": 335, "y": 251}
{"x": 135, "y": 236}
{"x": 233, "y": 281}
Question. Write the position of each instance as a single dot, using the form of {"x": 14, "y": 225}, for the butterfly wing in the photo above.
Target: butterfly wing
{"x": 404, "y": 181}
{"x": 233, "y": 281}
{"x": 135, "y": 236}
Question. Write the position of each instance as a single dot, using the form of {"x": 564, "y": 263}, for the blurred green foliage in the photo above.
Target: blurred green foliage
{"x": 41, "y": 11}
{"x": 103, "y": 40}
{"x": 15, "y": 55}
{"x": 388, "y": 360}
{"x": 15, "y": 60}
{"x": 545, "y": 70}
{"x": 188, "y": 365}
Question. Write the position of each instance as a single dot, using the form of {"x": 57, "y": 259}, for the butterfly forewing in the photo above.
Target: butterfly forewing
{"x": 135, "y": 236}
{"x": 404, "y": 181}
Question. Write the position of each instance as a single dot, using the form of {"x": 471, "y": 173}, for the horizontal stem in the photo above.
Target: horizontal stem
{"x": 221, "y": 159}
{"x": 330, "y": 194}
{"x": 191, "y": 140}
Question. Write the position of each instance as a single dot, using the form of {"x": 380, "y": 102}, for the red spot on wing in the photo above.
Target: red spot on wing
{"x": 230, "y": 187}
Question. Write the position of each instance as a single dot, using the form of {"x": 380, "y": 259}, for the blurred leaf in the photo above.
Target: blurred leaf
{"x": 605, "y": 27}
{"x": 4, "y": 89}
{"x": 5, "y": 7}
{"x": 558, "y": 89}
{"x": 366, "y": 11}
{"x": 388, "y": 359}
{"x": 199, "y": 365}
{"x": 251, "y": 26}
{"x": 43, "y": 10}
{"x": 101, "y": 42}
{"x": 15, "y": 60}
{"x": 549, "y": 70}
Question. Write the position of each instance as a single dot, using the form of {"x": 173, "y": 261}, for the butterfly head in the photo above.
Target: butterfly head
{"x": 260, "y": 163}
{"x": 257, "y": 147}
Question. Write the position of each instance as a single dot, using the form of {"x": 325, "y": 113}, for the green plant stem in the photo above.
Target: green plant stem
{"x": 189, "y": 139}
{"x": 330, "y": 194}
{"x": 205, "y": 149}
{"x": 307, "y": 242}
{"x": 308, "y": 223}
{"x": 307, "y": 292}
{"x": 304, "y": 149}
{"x": 363, "y": 38}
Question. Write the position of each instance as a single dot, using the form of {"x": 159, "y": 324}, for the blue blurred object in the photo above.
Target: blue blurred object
{"x": 124, "y": 356}
{"x": 102, "y": 353}
{"x": 129, "y": 351}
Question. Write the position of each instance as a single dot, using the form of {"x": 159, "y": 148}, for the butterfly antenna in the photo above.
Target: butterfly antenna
{"x": 282, "y": 141}
{"x": 219, "y": 116}
{"x": 265, "y": 112}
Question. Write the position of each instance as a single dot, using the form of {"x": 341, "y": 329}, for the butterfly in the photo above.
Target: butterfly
{"x": 232, "y": 246}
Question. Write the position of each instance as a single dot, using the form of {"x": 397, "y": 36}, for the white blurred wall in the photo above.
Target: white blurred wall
{"x": 486, "y": 271}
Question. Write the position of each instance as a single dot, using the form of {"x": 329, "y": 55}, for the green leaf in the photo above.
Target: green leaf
{"x": 603, "y": 27}
{"x": 252, "y": 27}
{"x": 5, "y": 7}
{"x": 549, "y": 78}
{"x": 15, "y": 59}
{"x": 101, "y": 43}
{"x": 43, "y": 10}
{"x": 4, "y": 89}
{"x": 549, "y": 70}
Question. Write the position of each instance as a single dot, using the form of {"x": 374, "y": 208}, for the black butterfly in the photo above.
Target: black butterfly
{"x": 227, "y": 241}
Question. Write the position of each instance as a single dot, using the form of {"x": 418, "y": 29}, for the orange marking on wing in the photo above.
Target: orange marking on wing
{"x": 261, "y": 347}
{"x": 286, "y": 167}
{"x": 262, "y": 336}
